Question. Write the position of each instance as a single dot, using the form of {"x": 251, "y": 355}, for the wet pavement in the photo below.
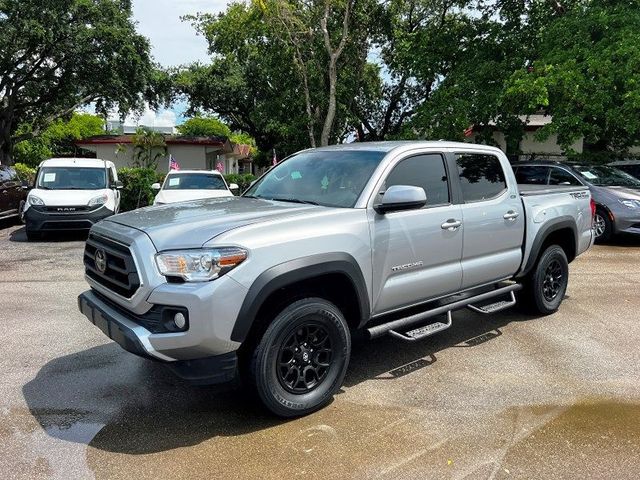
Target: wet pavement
{"x": 505, "y": 396}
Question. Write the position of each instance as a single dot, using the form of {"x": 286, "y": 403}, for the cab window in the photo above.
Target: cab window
{"x": 481, "y": 176}
{"x": 562, "y": 177}
{"x": 426, "y": 171}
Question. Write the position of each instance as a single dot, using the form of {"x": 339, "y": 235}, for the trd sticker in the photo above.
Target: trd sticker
{"x": 579, "y": 195}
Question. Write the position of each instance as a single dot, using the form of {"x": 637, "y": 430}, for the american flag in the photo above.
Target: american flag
{"x": 220, "y": 167}
{"x": 173, "y": 165}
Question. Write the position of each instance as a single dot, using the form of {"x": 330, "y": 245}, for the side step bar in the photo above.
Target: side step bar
{"x": 403, "y": 323}
{"x": 494, "y": 307}
{"x": 423, "y": 332}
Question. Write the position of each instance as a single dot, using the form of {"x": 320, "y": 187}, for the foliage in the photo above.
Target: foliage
{"x": 586, "y": 77}
{"x": 59, "y": 55}
{"x": 58, "y": 139}
{"x": 199, "y": 126}
{"x": 243, "y": 180}
{"x": 136, "y": 191}
{"x": 148, "y": 147}
{"x": 25, "y": 172}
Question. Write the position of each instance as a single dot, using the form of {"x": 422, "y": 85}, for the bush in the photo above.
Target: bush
{"x": 25, "y": 172}
{"x": 242, "y": 180}
{"x": 137, "y": 190}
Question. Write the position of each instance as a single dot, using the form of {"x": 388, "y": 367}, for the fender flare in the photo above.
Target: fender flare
{"x": 542, "y": 235}
{"x": 294, "y": 271}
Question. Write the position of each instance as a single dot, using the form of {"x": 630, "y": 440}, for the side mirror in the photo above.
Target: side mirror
{"x": 234, "y": 186}
{"x": 118, "y": 185}
{"x": 155, "y": 186}
{"x": 401, "y": 197}
{"x": 25, "y": 185}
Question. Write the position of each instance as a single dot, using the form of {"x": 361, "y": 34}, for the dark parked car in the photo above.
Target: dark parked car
{"x": 616, "y": 193}
{"x": 632, "y": 167}
{"x": 13, "y": 193}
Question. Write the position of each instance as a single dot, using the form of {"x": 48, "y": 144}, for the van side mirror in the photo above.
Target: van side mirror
{"x": 155, "y": 186}
{"x": 118, "y": 185}
{"x": 234, "y": 187}
{"x": 401, "y": 197}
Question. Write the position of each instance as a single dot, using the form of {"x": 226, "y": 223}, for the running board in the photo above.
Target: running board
{"x": 423, "y": 332}
{"x": 403, "y": 323}
{"x": 494, "y": 307}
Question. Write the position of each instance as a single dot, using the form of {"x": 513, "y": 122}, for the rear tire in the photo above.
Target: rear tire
{"x": 301, "y": 360}
{"x": 603, "y": 226}
{"x": 547, "y": 284}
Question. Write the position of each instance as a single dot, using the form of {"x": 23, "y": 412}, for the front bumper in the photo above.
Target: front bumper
{"x": 40, "y": 220}
{"x": 136, "y": 339}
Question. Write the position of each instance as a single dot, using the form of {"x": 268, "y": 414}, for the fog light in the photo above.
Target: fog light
{"x": 180, "y": 320}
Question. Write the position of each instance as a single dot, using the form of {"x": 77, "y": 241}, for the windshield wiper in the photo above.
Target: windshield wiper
{"x": 295, "y": 200}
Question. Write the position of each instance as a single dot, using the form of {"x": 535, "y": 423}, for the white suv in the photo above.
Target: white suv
{"x": 185, "y": 185}
{"x": 71, "y": 194}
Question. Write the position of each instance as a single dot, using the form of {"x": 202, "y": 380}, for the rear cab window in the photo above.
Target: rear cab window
{"x": 481, "y": 176}
{"x": 427, "y": 171}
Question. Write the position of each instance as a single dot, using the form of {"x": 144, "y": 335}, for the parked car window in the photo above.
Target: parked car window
{"x": 194, "y": 181}
{"x": 481, "y": 176}
{"x": 326, "y": 177}
{"x": 426, "y": 171}
{"x": 562, "y": 177}
{"x": 71, "y": 178}
{"x": 4, "y": 174}
{"x": 605, "y": 176}
{"x": 532, "y": 175}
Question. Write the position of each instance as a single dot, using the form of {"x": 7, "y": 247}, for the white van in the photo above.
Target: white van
{"x": 71, "y": 194}
{"x": 185, "y": 185}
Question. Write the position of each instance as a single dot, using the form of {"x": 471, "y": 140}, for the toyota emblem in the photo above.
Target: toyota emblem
{"x": 101, "y": 260}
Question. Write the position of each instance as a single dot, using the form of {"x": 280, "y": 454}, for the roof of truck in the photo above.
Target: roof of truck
{"x": 76, "y": 162}
{"x": 391, "y": 145}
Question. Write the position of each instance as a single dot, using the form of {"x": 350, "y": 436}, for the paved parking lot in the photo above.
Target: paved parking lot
{"x": 506, "y": 396}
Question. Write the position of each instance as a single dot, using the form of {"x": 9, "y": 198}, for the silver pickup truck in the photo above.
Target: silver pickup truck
{"x": 383, "y": 238}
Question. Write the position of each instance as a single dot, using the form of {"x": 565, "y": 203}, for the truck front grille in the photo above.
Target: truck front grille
{"x": 111, "y": 264}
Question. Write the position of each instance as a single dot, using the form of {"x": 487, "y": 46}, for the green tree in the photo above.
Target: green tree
{"x": 58, "y": 139}
{"x": 204, "y": 127}
{"x": 148, "y": 148}
{"x": 587, "y": 77}
{"x": 56, "y": 56}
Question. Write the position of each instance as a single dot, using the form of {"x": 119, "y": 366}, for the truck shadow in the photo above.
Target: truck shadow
{"x": 116, "y": 402}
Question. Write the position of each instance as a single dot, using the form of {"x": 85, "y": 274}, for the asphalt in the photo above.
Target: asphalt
{"x": 505, "y": 396}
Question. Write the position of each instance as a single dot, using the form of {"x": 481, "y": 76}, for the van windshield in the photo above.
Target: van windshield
{"x": 72, "y": 178}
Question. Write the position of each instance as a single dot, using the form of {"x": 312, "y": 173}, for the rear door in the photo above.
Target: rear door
{"x": 415, "y": 257}
{"x": 492, "y": 216}
{"x": 8, "y": 195}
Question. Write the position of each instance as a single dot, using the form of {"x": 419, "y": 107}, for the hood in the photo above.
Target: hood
{"x": 67, "y": 198}
{"x": 616, "y": 192}
{"x": 192, "y": 224}
{"x": 173, "y": 196}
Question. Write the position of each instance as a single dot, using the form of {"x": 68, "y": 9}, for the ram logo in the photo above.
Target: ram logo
{"x": 66, "y": 209}
{"x": 407, "y": 266}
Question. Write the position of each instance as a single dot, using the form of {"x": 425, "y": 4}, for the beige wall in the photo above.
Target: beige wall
{"x": 529, "y": 144}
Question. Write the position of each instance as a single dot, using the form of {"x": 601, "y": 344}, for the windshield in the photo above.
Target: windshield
{"x": 194, "y": 181}
{"x": 333, "y": 178}
{"x": 72, "y": 178}
{"x": 604, "y": 176}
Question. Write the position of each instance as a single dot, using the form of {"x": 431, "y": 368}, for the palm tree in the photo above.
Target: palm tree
{"x": 148, "y": 147}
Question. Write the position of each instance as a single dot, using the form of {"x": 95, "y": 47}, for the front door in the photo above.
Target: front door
{"x": 416, "y": 253}
{"x": 493, "y": 219}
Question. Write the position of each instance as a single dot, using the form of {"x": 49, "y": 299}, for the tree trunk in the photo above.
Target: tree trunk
{"x": 331, "y": 109}
{"x": 6, "y": 145}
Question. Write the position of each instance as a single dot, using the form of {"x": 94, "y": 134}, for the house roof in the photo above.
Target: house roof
{"x": 169, "y": 139}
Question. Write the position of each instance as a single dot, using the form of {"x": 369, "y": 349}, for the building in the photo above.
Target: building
{"x": 206, "y": 153}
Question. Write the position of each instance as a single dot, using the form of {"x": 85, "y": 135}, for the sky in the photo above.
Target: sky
{"x": 173, "y": 42}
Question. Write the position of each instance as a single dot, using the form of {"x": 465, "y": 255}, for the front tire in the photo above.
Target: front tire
{"x": 301, "y": 360}
{"x": 547, "y": 284}
{"x": 602, "y": 226}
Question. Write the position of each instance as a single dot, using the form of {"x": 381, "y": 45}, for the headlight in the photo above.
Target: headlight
{"x": 33, "y": 200}
{"x": 630, "y": 203}
{"x": 200, "y": 265}
{"x": 99, "y": 200}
